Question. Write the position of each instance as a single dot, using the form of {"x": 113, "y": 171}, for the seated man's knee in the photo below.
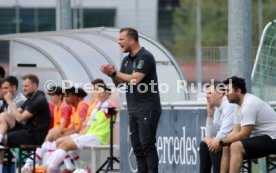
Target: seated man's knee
{"x": 62, "y": 145}
{"x": 58, "y": 141}
{"x": 237, "y": 147}
{"x": 67, "y": 145}
{"x": 6, "y": 118}
{"x": 203, "y": 145}
{"x": 50, "y": 138}
{"x": 3, "y": 116}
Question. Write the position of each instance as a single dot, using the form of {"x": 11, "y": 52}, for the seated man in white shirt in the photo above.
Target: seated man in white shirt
{"x": 219, "y": 124}
{"x": 10, "y": 85}
{"x": 254, "y": 132}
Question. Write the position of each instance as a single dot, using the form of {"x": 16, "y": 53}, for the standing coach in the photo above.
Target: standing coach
{"x": 138, "y": 71}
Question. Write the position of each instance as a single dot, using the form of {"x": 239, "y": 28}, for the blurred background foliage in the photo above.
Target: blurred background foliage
{"x": 177, "y": 27}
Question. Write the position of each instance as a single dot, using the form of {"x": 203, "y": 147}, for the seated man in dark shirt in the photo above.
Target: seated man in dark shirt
{"x": 1, "y": 96}
{"x": 28, "y": 125}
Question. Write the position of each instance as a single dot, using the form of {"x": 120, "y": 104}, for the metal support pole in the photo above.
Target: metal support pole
{"x": 75, "y": 15}
{"x": 17, "y": 17}
{"x": 81, "y": 14}
{"x": 36, "y": 20}
{"x": 198, "y": 43}
{"x": 240, "y": 39}
{"x": 63, "y": 15}
{"x": 260, "y": 17}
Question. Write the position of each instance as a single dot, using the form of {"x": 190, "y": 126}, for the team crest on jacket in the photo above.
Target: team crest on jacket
{"x": 126, "y": 64}
{"x": 140, "y": 64}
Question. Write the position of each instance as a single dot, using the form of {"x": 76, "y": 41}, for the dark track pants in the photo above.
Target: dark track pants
{"x": 143, "y": 126}
{"x": 209, "y": 159}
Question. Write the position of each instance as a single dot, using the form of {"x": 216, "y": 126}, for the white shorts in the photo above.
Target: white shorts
{"x": 82, "y": 141}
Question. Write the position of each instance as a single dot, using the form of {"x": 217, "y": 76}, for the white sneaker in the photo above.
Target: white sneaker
{"x": 27, "y": 168}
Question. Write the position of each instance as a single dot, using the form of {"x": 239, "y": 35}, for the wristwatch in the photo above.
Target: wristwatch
{"x": 221, "y": 143}
{"x": 113, "y": 74}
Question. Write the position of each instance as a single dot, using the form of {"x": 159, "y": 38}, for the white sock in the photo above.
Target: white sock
{"x": 27, "y": 166}
{"x": 68, "y": 163}
{"x": 29, "y": 162}
{"x": 76, "y": 158}
{"x": 39, "y": 155}
{"x": 1, "y": 168}
{"x": 49, "y": 145}
{"x": 50, "y": 148}
{"x": 56, "y": 158}
{"x": 1, "y": 137}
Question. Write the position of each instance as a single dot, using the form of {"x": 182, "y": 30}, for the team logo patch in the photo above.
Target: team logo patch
{"x": 140, "y": 64}
{"x": 126, "y": 64}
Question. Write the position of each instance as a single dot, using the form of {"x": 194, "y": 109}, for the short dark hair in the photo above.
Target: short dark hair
{"x": 2, "y": 72}
{"x": 96, "y": 81}
{"x": 71, "y": 90}
{"x": 12, "y": 80}
{"x": 131, "y": 33}
{"x": 100, "y": 83}
{"x": 55, "y": 90}
{"x": 81, "y": 93}
{"x": 103, "y": 86}
{"x": 237, "y": 83}
{"x": 33, "y": 78}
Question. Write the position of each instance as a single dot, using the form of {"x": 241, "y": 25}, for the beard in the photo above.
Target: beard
{"x": 127, "y": 49}
{"x": 235, "y": 99}
{"x": 29, "y": 95}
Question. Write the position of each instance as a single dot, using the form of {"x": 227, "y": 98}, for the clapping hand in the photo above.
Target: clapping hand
{"x": 107, "y": 69}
